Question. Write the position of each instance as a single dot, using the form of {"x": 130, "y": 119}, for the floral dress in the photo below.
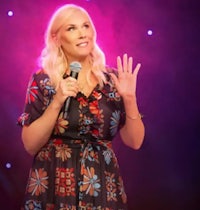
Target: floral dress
{"x": 77, "y": 168}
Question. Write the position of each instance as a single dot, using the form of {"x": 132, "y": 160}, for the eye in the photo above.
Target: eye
{"x": 71, "y": 28}
{"x": 86, "y": 25}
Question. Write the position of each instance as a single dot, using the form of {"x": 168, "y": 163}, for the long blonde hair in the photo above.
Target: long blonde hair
{"x": 53, "y": 59}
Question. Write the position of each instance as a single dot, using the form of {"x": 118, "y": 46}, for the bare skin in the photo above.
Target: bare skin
{"x": 133, "y": 131}
{"x": 77, "y": 40}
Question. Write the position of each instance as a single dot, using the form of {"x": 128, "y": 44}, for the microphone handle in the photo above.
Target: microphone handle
{"x": 73, "y": 74}
{"x": 66, "y": 107}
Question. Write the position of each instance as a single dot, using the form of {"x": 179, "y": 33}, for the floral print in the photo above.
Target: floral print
{"x": 23, "y": 118}
{"x": 121, "y": 189}
{"x": 107, "y": 156}
{"x": 111, "y": 186}
{"x": 90, "y": 182}
{"x": 61, "y": 125}
{"x": 77, "y": 168}
{"x": 33, "y": 205}
{"x": 38, "y": 182}
{"x": 90, "y": 153}
{"x": 114, "y": 123}
{"x": 63, "y": 152}
{"x": 32, "y": 91}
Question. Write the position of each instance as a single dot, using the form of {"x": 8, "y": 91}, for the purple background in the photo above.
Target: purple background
{"x": 164, "y": 173}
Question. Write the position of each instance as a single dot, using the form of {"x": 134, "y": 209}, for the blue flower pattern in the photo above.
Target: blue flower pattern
{"x": 97, "y": 120}
{"x": 114, "y": 123}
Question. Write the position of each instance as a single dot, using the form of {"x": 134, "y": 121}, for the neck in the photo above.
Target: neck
{"x": 84, "y": 61}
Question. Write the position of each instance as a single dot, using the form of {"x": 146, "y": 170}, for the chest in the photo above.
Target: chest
{"x": 97, "y": 115}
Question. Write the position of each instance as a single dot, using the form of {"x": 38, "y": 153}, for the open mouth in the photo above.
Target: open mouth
{"x": 82, "y": 44}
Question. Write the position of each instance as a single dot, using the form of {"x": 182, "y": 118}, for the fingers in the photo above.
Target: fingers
{"x": 130, "y": 64}
{"x": 126, "y": 65}
{"x": 119, "y": 64}
{"x": 66, "y": 88}
{"x": 69, "y": 87}
{"x": 137, "y": 68}
{"x": 125, "y": 62}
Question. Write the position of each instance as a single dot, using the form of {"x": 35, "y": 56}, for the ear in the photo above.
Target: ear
{"x": 56, "y": 40}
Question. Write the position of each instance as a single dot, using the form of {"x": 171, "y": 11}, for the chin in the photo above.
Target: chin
{"x": 84, "y": 55}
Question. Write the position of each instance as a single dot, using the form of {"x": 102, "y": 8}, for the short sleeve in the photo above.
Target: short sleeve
{"x": 38, "y": 96}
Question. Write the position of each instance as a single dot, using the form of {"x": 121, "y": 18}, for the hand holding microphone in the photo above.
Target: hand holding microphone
{"x": 74, "y": 67}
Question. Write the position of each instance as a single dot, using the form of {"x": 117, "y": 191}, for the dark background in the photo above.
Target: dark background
{"x": 164, "y": 173}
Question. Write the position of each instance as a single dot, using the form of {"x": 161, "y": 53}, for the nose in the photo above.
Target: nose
{"x": 82, "y": 33}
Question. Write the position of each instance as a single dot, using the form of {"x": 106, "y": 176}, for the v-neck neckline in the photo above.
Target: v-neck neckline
{"x": 90, "y": 94}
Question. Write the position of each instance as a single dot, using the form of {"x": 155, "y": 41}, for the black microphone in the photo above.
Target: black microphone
{"x": 74, "y": 68}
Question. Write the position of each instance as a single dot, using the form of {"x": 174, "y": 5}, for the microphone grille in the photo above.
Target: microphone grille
{"x": 75, "y": 66}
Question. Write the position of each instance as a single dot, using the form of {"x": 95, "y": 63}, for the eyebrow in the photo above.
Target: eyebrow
{"x": 72, "y": 24}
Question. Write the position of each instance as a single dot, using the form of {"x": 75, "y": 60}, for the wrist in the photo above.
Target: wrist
{"x": 129, "y": 98}
{"x": 134, "y": 117}
{"x": 56, "y": 104}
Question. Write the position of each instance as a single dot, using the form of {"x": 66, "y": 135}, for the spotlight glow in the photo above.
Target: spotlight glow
{"x": 8, "y": 165}
{"x": 10, "y": 13}
{"x": 150, "y": 32}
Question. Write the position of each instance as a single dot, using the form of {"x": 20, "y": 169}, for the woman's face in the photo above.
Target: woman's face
{"x": 77, "y": 37}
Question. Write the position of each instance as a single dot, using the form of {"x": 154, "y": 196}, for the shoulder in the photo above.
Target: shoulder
{"x": 40, "y": 74}
{"x": 42, "y": 81}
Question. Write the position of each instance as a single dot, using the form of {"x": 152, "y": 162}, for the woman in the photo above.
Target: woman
{"x": 74, "y": 165}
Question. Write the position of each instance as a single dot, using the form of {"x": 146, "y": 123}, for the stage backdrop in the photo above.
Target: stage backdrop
{"x": 164, "y": 37}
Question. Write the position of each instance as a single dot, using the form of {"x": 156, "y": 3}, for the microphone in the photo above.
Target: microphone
{"x": 74, "y": 68}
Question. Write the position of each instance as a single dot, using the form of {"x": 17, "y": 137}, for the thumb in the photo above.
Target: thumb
{"x": 137, "y": 68}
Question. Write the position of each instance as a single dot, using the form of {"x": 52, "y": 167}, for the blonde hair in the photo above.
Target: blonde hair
{"x": 53, "y": 59}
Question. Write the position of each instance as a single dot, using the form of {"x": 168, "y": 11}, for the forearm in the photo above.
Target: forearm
{"x": 38, "y": 132}
{"x": 132, "y": 133}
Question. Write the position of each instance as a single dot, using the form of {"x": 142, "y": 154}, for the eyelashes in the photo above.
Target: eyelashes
{"x": 87, "y": 26}
{"x": 73, "y": 28}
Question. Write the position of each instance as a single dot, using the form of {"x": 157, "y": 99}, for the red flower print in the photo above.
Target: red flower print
{"x": 93, "y": 106}
{"x": 97, "y": 95}
{"x": 32, "y": 91}
{"x": 95, "y": 132}
{"x": 82, "y": 102}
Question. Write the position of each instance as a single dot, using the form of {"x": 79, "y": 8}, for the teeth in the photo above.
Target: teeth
{"x": 82, "y": 44}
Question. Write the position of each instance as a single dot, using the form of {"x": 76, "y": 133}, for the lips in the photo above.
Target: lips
{"x": 82, "y": 44}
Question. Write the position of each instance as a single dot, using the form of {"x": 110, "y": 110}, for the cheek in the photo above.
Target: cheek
{"x": 67, "y": 44}
{"x": 92, "y": 37}
{"x": 65, "y": 40}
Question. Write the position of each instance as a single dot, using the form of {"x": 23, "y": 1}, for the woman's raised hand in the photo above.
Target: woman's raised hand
{"x": 127, "y": 77}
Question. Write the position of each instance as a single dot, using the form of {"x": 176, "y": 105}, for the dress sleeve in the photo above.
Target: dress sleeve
{"x": 38, "y": 96}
